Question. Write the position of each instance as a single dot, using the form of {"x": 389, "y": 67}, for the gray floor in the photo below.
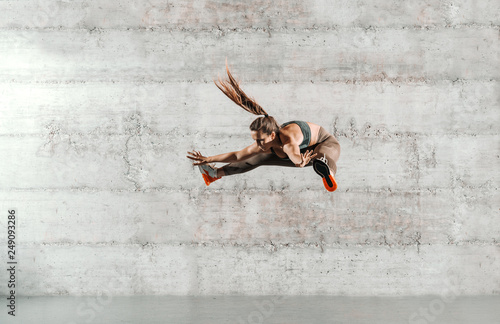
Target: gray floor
{"x": 267, "y": 309}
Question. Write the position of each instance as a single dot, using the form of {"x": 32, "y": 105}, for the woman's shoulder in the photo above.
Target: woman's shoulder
{"x": 288, "y": 126}
{"x": 290, "y": 132}
{"x": 295, "y": 124}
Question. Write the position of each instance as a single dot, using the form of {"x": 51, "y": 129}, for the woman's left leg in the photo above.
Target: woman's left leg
{"x": 252, "y": 163}
{"x": 211, "y": 174}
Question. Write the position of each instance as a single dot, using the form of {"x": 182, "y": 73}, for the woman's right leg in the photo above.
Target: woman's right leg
{"x": 328, "y": 149}
{"x": 325, "y": 163}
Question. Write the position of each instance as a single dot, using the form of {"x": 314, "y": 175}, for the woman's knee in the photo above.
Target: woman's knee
{"x": 237, "y": 168}
{"x": 330, "y": 156}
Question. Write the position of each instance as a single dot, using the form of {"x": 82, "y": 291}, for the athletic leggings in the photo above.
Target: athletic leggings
{"x": 327, "y": 147}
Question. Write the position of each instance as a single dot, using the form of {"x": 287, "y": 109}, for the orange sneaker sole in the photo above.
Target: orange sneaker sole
{"x": 208, "y": 179}
{"x": 324, "y": 171}
{"x": 330, "y": 183}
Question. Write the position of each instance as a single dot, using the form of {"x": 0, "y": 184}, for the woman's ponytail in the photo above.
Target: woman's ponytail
{"x": 232, "y": 90}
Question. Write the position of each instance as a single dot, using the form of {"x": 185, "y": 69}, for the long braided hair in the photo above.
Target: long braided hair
{"x": 232, "y": 90}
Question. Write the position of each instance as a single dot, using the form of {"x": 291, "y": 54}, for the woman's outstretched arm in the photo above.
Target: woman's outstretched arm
{"x": 230, "y": 157}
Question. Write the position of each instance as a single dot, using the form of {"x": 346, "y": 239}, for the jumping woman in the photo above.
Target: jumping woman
{"x": 293, "y": 144}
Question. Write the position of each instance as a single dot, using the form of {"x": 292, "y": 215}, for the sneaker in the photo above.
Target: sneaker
{"x": 321, "y": 167}
{"x": 209, "y": 173}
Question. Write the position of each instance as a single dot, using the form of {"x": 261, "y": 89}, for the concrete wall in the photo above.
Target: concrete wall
{"x": 100, "y": 100}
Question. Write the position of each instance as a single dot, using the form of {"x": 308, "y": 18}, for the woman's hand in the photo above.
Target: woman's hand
{"x": 198, "y": 158}
{"x": 306, "y": 158}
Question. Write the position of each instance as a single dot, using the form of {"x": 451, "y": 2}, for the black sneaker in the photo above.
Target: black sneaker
{"x": 321, "y": 168}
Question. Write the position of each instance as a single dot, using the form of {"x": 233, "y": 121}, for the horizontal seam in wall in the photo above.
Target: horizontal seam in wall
{"x": 264, "y": 245}
{"x": 349, "y": 81}
{"x": 266, "y": 29}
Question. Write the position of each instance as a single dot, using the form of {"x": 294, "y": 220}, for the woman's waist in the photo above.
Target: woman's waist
{"x": 321, "y": 136}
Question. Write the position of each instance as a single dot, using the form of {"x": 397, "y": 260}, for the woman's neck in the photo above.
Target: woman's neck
{"x": 276, "y": 143}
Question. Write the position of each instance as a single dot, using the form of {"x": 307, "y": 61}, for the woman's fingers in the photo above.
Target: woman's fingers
{"x": 306, "y": 157}
{"x": 307, "y": 154}
{"x": 200, "y": 163}
{"x": 196, "y": 156}
{"x": 310, "y": 154}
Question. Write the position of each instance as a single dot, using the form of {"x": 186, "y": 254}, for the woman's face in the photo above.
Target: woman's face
{"x": 263, "y": 140}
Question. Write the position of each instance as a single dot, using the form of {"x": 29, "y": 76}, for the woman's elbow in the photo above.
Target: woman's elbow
{"x": 234, "y": 157}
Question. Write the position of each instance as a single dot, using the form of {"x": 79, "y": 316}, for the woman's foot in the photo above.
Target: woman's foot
{"x": 209, "y": 173}
{"x": 321, "y": 167}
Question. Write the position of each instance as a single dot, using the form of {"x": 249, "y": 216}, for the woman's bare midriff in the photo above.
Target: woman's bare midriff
{"x": 314, "y": 133}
